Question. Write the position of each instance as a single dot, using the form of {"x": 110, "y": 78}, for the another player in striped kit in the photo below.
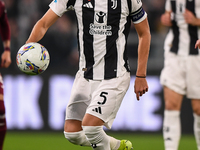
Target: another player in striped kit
{"x": 104, "y": 75}
{"x": 180, "y": 75}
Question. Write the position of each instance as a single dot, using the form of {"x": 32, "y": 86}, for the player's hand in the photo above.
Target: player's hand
{"x": 5, "y": 59}
{"x": 197, "y": 45}
{"x": 166, "y": 19}
{"x": 140, "y": 87}
{"x": 189, "y": 17}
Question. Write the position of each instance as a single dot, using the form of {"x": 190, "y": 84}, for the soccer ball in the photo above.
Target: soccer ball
{"x": 32, "y": 58}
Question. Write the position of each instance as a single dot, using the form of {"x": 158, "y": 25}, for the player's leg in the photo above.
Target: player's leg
{"x": 75, "y": 111}
{"x": 193, "y": 88}
{"x": 93, "y": 128}
{"x": 99, "y": 139}
{"x": 196, "y": 114}
{"x": 174, "y": 87}
{"x": 74, "y": 133}
{"x": 171, "y": 124}
{"x": 2, "y": 115}
{"x": 106, "y": 100}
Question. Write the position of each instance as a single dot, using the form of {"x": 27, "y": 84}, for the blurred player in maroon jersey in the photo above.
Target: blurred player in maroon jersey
{"x": 5, "y": 62}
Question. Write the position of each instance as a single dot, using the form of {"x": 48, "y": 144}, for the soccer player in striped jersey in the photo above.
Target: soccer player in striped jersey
{"x": 104, "y": 75}
{"x": 180, "y": 75}
{"x": 5, "y": 63}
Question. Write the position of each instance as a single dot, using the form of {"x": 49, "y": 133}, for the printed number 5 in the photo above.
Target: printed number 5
{"x": 105, "y": 98}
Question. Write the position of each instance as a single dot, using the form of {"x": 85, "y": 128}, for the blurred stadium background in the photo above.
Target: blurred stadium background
{"x": 35, "y": 105}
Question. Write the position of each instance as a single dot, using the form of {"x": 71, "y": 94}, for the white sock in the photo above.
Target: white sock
{"x": 171, "y": 129}
{"x": 77, "y": 138}
{"x": 114, "y": 143}
{"x": 97, "y": 137}
{"x": 197, "y": 129}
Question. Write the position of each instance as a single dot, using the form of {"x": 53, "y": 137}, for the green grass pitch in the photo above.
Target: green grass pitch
{"x": 56, "y": 141}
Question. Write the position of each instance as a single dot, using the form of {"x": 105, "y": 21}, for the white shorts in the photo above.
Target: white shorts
{"x": 98, "y": 98}
{"x": 182, "y": 74}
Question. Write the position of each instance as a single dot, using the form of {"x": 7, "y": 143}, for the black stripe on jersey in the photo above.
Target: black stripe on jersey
{"x": 111, "y": 57}
{"x": 190, "y": 5}
{"x": 175, "y": 31}
{"x": 88, "y": 18}
{"x": 129, "y": 6}
{"x": 126, "y": 32}
{"x": 71, "y": 3}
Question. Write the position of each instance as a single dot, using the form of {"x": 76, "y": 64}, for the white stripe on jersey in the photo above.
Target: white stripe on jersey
{"x": 99, "y": 43}
{"x": 80, "y": 35}
{"x": 122, "y": 40}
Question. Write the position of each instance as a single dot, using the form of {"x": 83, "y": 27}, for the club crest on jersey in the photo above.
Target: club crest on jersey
{"x": 114, "y": 4}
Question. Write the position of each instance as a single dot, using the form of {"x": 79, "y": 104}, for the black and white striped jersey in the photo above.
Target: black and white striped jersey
{"x": 182, "y": 37}
{"x": 103, "y": 27}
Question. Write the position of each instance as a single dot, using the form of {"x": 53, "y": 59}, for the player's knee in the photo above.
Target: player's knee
{"x": 171, "y": 105}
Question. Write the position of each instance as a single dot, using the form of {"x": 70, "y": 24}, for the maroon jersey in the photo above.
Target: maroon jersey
{"x": 4, "y": 26}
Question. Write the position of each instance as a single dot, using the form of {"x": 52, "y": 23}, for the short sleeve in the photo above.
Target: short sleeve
{"x": 137, "y": 12}
{"x": 168, "y": 6}
{"x": 58, "y": 6}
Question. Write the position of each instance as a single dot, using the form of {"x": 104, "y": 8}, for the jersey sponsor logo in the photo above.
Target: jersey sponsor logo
{"x": 55, "y": 1}
{"x": 88, "y": 5}
{"x": 114, "y": 4}
{"x": 99, "y": 27}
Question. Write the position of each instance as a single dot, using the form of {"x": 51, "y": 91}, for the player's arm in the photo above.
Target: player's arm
{"x": 166, "y": 19}
{"x": 5, "y": 57}
{"x": 191, "y": 19}
{"x": 42, "y": 26}
{"x": 144, "y": 35}
{"x": 5, "y": 36}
